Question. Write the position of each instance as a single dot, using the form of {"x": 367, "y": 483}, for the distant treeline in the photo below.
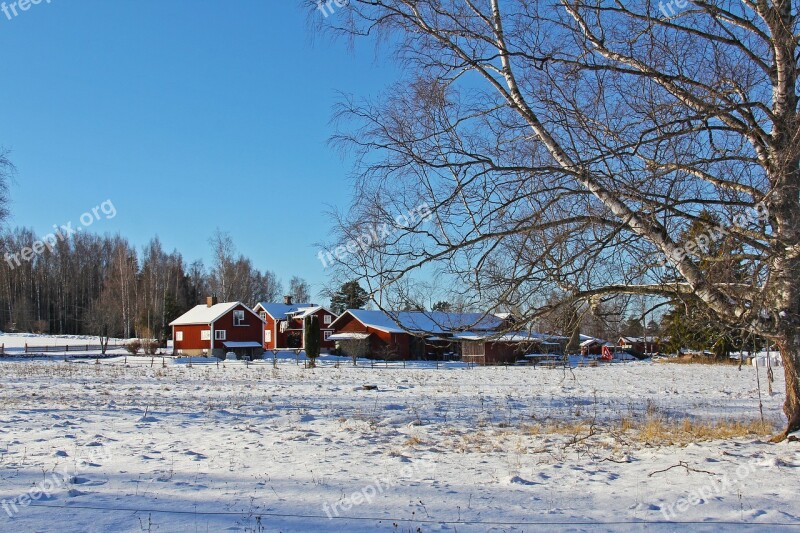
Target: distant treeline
{"x": 90, "y": 284}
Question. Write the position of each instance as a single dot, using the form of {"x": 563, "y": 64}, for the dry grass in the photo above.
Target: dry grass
{"x": 413, "y": 441}
{"x": 654, "y": 428}
{"x": 663, "y": 431}
{"x": 698, "y": 360}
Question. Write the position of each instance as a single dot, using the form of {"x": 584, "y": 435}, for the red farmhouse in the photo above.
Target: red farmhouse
{"x": 283, "y": 324}
{"x": 215, "y": 329}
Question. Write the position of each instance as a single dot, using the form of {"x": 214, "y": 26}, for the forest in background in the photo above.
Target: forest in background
{"x": 101, "y": 284}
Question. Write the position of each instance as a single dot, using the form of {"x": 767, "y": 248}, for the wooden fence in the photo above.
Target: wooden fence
{"x": 65, "y": 348}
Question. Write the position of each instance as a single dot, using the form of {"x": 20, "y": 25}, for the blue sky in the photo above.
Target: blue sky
{"x": 189, "y": 115}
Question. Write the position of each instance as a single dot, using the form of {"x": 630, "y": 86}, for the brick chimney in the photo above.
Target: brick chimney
{"x": 287, "y": 300}
{"x": 211, "y": 300}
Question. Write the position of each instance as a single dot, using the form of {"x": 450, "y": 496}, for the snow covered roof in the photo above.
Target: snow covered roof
{"x": 241, "y": 344}
{"x": 423, "y": 321}
{"x": 586, "y": 340}
{"x": 516, "y": 336}
{"x": 349, "y": 336}
{"x": 280, "y": 310}
{"x": 631, "y": 340}
{"x": 304, "y": 312}
{"x": 203, "y": 314}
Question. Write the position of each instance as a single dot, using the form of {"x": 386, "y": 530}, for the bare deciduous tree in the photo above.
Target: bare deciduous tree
{"x": 6, "y": 170}
{"x": 567, "y": 146}
{"x": 299, "y": 289}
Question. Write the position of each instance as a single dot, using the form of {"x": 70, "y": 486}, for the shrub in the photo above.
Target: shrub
{"x": 134, "y": 346}
{"x": 150, "y": 346}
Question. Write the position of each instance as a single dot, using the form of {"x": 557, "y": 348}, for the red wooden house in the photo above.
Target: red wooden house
{"x": 218, "y": 328}
{"x": 283, "y": 324}
{"x": 406, "y": 334}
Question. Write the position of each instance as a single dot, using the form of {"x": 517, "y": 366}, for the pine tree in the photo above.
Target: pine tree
{"x": 349, "y": 296}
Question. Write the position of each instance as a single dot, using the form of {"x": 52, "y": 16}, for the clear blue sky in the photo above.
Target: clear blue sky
{"x": 189, "y": 115}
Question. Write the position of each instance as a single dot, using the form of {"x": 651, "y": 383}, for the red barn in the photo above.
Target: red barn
{"x": 283, "y": 324}
{"x": 509, "y": 348}
{"x": 215, "y": 329}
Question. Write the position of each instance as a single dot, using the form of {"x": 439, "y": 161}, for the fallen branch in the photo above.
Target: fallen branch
{"x": 685, "y": 465}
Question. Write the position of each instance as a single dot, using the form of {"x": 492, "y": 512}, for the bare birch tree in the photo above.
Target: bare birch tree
{"x": 6, "y": 170}
{"x": 568, "y": 145}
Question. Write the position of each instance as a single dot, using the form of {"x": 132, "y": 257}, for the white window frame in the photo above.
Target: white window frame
{"x": 205, "y": 335}
{"x": 236, "y": 321}
{"x": 263, "y": 315}
{"x": 327, "y": 334}
{"x": 178, "y": 336}
{"x": 268, "y": 335}
{"x": 220, "y": 334}
{"x": 328, "y": 320}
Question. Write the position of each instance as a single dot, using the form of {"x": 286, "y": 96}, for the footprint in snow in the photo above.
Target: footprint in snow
{"x": 516, "y": 480}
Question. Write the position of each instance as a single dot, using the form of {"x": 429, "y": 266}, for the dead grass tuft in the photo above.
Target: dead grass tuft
{"x": 698, "y": 360}
{"x": 663, "y": 431}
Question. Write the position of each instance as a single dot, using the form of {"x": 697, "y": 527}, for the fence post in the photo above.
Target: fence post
{"x": 26, "y": 347}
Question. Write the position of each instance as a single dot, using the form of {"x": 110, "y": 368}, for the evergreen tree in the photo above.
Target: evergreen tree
{"x": 442, "y": 306}
{"x": 311, "y": 331}
{"x": 349, "y": 296}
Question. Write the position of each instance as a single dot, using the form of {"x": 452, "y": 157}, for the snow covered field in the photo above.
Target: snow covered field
{"x": 16, "y": 344}
{"x": 229, "y": 447}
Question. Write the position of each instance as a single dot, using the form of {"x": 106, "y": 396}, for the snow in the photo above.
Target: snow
{"x": 518, "y": 336}
{"x": 241, "y": 344}
{"x": 279, "y": 311}
{"x": 348, "y": 336}
{"x": 424, "y": 321}
{"x": 204, "y": 314}
{"x": 235, "y": 446}
{"x": 19, "y": 340}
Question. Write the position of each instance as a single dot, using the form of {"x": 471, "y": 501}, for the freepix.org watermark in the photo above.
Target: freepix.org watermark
{"x": 372, "y": 235}
{"x": 104, "y": 211}
{"x": 726, "y": 485}
{"x": 13, "y": 9}
{"x": 700, "y": 243}
{"x": 52, "y": 482}
{"x": 378, "y": 486}
{"x": 328, "y": 7}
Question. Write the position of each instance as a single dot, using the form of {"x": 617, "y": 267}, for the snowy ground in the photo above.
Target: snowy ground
{"x": 235, "y": 447}
{"x": 67, "y": 346}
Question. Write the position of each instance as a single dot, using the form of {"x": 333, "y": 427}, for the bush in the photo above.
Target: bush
{"x": 150, "y": 346}
{"x": 134, "y": 346}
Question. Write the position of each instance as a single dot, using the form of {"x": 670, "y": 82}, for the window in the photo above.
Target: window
{"x": 328, "y": 319}
{"x": 327, "y": 334}
{"x": 205, "y": 335}
{"x": 263, "y": 315}
{"x": 219, "y": 335}
{"x": 268, "y": 336}
{"x": 238, "y": 318}
{"x": 178, "y": 336}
